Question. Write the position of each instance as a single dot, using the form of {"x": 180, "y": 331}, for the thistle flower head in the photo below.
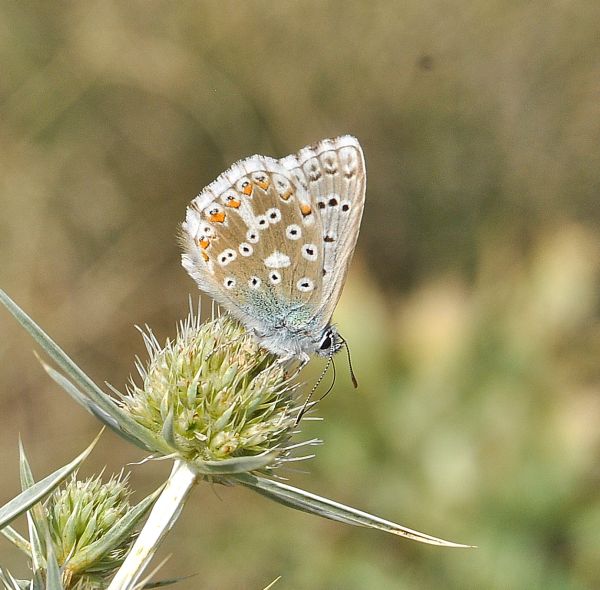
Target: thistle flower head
{"x": 80, "y": 515}
{"x": 213, "y": 394}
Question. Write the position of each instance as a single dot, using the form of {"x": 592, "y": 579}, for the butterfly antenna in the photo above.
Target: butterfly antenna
{"x": 332, "y": 382}
{"x": 315, "y": 386}
{"x": 352, "y": 375}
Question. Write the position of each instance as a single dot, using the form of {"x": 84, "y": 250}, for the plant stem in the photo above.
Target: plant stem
{"x": 164, "y": 514}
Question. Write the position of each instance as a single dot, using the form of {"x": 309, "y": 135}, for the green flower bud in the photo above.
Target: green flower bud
{"x": 79, "y": 515}
{"x": 214, "y": 394}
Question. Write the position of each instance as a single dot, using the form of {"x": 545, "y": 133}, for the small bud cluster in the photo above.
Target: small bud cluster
{"x": 80, "y": 516}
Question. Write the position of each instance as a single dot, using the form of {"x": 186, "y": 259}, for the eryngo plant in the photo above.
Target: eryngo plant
{"x": 81, "y": 533}
{"x": 213, "y": 394}
{"x": 218, "y": 405}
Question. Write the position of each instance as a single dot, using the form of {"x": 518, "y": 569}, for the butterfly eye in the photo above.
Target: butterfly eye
{"x": 326, "y": 343}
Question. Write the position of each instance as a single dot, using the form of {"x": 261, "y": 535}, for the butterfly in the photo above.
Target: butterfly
{"x": 271, "y": 241}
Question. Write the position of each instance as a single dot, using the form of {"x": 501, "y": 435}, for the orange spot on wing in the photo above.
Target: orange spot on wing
{"x": 204, "y": 243}
{"x": 205, "y": 256}
{"x": 305, "y": 209}
{"x": 287, "y": 194}
{"x": 234, "y": 203}
{"x": 247, "y": 188}
{"x": 218, "y": 217}
{"x": 264, "y": 184}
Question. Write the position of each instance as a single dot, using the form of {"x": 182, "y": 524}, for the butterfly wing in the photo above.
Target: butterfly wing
{"x": 252, "y": 241}
{"x": 333, "y": 174}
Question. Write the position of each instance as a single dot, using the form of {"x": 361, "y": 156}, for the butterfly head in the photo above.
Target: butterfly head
{"x": 329, "y": 342}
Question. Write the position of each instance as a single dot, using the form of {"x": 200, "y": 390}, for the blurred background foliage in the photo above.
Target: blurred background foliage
{"x": 471, "y": 308}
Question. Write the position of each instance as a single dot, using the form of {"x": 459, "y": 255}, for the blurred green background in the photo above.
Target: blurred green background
{"x": 471, "y": 307}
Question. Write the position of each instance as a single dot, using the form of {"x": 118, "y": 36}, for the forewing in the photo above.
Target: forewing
{"x": 333, "y": 174}
{"x": 252, "y": 240}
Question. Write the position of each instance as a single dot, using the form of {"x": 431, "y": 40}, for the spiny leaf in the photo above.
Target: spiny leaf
{"x": 36, "y": 491}
{"x": 97, "y": 399}
{"x": 313, "y": 504}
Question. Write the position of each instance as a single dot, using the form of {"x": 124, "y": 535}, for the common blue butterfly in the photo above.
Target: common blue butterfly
{"x": 271, "y": 241}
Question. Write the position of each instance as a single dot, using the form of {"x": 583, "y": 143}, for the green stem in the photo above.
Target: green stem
{"x": 165, "y": 512}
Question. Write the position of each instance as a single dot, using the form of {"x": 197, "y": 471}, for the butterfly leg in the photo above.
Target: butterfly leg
{"x": 308, "y": 402}
{"x": 291, "y": 358}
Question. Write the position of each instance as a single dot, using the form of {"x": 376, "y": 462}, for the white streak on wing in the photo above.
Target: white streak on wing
{"x": 277, "y": 260}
